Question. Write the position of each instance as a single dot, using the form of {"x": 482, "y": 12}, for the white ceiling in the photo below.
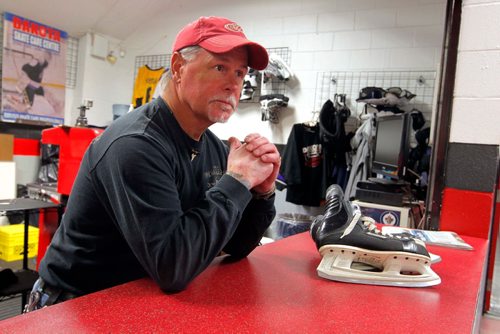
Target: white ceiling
{"x": 115, "y": 18}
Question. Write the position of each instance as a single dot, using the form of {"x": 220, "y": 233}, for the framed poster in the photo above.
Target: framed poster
{"x": 33, "y": 71}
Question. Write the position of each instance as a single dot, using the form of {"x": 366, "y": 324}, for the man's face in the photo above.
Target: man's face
{"x": 211, "y": 84}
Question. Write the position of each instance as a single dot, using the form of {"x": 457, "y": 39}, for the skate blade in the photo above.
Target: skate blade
{"x": 435, "y": 258}
{"x": 357, "y": 265}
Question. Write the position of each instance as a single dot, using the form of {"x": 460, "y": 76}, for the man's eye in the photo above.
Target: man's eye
{"x": 219, "y": 67}
{"x": 240, "y": 74}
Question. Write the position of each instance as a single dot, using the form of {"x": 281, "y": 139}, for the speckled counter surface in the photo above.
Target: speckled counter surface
{"x": 276, "y": 290}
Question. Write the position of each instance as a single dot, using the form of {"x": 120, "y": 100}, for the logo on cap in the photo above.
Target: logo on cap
{"x": 233, "y": 27}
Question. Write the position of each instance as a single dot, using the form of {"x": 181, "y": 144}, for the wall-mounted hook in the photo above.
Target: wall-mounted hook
{"x": 334, "y": 80}
{"x": 421, "y": 80}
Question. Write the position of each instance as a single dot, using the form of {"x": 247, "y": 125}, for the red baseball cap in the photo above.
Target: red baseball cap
{"x": 220, "y": 35}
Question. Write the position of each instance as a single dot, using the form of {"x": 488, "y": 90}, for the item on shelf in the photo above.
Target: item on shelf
{"x": 270, "y": 105}
{"x": 370, "y": 93}
{"x": 246, "y": 92}
{"x": 390, "y": 99}
{"x": 277, "y": 67}
{"x": 354, "y": 250}
{"x": 250, "y": 84}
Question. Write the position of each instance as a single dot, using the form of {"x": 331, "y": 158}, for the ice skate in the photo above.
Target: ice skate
{"x": 278, "y": 68}
{"x": 247, "y": 91}
{"x": 355, "y": 251}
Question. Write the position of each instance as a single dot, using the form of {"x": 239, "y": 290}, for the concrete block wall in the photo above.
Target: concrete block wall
{"x": 476, "y": 102}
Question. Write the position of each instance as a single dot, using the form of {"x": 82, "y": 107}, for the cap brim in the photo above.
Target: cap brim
{"x": 257, "y": 54}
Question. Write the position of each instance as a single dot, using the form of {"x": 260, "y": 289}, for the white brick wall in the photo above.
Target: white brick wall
{"x": 476, "y": 121}
{"x": 421, "y": 15}
{"x": 352, "y": 40}
{"x": 336, "y": 21}
{"x": 315, "y": 42}
{"x": 373, "y": 19}
{"x": 394, "y": 37}
{"x": 476, "y": 105}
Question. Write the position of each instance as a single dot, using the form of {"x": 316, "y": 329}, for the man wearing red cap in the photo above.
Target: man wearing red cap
{"x": 158, "y": 194}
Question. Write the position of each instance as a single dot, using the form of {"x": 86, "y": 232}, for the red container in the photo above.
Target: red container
{"x": 73, "y": 142}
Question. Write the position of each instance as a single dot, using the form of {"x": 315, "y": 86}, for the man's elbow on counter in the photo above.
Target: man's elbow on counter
{"x": 174, "y": 287}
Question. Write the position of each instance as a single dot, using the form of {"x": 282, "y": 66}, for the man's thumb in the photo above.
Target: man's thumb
{"x": 234, "y": 143}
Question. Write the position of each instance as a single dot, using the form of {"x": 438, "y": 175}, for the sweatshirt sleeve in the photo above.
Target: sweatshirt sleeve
{"x": 256, "y": 218}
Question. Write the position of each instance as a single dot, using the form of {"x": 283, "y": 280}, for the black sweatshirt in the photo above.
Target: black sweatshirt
{"x": 149, "y": 200}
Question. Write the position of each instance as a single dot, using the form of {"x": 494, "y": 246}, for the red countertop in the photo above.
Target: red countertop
{"x": 276, "y": 290}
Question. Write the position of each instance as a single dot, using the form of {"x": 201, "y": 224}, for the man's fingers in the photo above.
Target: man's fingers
{"x": 257, "y": 143}
{"x": 273, "y": 158}
{"x": 250, "y": 137}
{"x": 234, "y": 143}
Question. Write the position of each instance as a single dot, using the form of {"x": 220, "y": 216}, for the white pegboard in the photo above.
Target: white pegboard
{"x": 71, "y": 62}
{"x": 421, "y": 83}
{"x": 274, "y": 85}
{"x": 153, "y": 61}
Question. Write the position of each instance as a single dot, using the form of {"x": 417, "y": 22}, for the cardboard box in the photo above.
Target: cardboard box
{"x": 6, "y": 147}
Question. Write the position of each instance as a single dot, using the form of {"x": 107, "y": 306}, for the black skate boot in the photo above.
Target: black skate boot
{"x": 354, "y": 250}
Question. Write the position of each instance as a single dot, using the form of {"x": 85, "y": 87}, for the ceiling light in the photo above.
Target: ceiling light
{"x": 111, "y": 58}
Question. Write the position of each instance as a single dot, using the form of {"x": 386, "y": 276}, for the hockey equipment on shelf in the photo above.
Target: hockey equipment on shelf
{"x": 249, "y": 85}
{"x": 247, "y": 91}
{"x": 278, "y": 68}
{"x": 270, "y": 105}
{"x": 392, "y": 99}
{"x": 251, "y": 77}
{"x": 354, "y": 250}
{"x": 370, "y": 93}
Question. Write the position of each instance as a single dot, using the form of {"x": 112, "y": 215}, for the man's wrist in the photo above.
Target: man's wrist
{"x": 240, "y": 178}
{"x": 266, "y": 195}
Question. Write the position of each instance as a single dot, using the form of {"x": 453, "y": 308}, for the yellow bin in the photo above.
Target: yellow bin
{"x": 12, "y": 242}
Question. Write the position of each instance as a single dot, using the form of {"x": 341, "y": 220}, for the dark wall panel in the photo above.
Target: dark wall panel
{"x": 472, "y": 167}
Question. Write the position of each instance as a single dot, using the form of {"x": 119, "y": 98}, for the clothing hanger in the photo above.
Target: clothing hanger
{"x": 313, "y": 121}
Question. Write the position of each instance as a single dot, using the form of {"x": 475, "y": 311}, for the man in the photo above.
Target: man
{"x": 158, "y": 194}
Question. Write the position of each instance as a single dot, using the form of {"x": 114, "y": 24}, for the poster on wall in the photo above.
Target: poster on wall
{"x": 33, "y": 71}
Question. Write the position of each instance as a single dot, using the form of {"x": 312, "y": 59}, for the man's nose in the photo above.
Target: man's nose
{"x": 234, "y": 83}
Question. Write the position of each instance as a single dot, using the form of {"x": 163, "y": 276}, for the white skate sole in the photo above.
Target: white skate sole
{"x": 357, "y": 265}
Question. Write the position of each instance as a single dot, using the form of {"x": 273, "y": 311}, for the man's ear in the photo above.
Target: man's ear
{"x": 176, "y": 63}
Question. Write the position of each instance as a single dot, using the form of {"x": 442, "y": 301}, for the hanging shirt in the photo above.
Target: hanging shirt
{"x": 145, "y": 84}
{"x": 303, "y": 166}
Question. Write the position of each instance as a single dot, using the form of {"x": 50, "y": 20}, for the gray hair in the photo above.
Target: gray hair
{"x": 188, "y": 53}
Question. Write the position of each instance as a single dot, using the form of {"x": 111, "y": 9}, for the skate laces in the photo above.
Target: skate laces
{"x": 369, "y": 223}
